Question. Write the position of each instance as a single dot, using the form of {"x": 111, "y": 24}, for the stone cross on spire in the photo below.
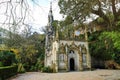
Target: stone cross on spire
{"x": 50, "y": 6}
{"x": 50, "y": 16}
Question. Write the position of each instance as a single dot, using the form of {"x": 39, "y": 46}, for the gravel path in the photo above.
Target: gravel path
{"x": 84, "y": 75}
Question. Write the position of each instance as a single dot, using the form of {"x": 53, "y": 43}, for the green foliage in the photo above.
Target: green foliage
{"x": 65, "y": 29}
{"x": 105, "y": 45}
{"x": 114, "y": 37}
{"x": 81, "y": 10}
{"x": 100, "y": 20}
{"x": 27, "y": 53}
{"x": 29, "y": 48}
{"x": 110, "y": 16}
{"x": 116, "y": 56}
{"x": 21, "y": 68}
{"x": 14, "y": 41}
{"x": 78, "y": 9}
{"x": 68, "y": 20}
{"x": 47, "y": 69}
{"x": 1, "y": 64}
{"x": 118, "y": 23}
{"x": 38, "y": 66}
{"x": 8, "y": 71}
{"x": 7, "y": 58}
{"x": 98, "y": 47}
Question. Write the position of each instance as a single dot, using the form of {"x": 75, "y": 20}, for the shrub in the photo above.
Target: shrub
{"x": 7, "y": 57}
{"x": 21, "y": 68}
{"x": 39, "y": 65}
{"x": 33, "y": 68}
{"x": 47, "y": 69}
{"x": 8, "y": 71}
{"x": 1, "y": 64}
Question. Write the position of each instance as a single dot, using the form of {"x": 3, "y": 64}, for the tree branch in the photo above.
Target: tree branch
{"x": 100, "y": 14}
{"x": 114, "y": 9}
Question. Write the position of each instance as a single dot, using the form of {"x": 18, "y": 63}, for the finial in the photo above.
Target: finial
{"x": 51, "y": 5}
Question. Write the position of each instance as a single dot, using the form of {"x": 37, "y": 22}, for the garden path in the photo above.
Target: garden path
{"x": 84, "y": 75}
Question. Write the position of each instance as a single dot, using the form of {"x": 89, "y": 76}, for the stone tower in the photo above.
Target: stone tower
{"x": 49, "y": 34}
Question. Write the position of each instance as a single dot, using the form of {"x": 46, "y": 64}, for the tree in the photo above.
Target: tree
{"x": 113, "y": 44}
{"x": 30, "y": 48}
{"x": 105, "y": 45}
{"x": 98, "y": 48}
{"x": 114, "y": 36}
{"x": 14, "y": 14}
{"x": 15, "y": 18}
{"x": 39, "y": 42}
{"x": 14, "y": 41}
{"x": 80, "y": 10}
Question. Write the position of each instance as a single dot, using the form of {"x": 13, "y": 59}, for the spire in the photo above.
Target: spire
{"x": 50, "y": 16}
{"x": 50, "y": 6}
{"x": 50, "y": 12}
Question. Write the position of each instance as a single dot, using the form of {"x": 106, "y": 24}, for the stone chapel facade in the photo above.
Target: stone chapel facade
{"x": 65, "y": 55}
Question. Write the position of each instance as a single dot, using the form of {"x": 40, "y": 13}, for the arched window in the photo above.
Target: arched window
{"x": 84, "y": 59}
{"x": 61, "y": 57}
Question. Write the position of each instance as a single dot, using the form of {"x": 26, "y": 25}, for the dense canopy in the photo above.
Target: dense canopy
{"x": 80, "y": 10}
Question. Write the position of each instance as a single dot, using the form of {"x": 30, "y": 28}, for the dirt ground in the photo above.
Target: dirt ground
{"x": 84, "y": 75}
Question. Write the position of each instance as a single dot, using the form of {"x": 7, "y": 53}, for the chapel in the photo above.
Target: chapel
{"x": 65, "y": 55}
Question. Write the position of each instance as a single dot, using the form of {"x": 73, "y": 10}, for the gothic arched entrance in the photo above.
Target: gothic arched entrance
{"x": 72, "y": 64}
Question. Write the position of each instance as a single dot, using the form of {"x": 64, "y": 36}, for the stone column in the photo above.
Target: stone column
{"x": 56, "y": 65}
{"x": 87, "y": 48}
{"x": 88, "y": 57}
{"x": 45, "y": 60}
{"x": 56, "y": 56}
{"x": 66, "y": 59}
{"x": 80, "y": 61}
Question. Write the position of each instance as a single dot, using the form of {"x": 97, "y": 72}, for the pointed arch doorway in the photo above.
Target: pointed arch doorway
{"x": 72, "y": 64}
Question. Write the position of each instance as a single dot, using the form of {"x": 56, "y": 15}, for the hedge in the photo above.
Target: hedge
{"x": 8, "y": 71}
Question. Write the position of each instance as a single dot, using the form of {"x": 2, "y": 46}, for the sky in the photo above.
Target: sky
{"x": 37, "y": 16}
{"x": 39, "y": 10}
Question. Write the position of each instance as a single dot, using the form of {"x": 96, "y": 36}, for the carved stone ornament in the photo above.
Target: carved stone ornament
{"x": 83, "y": 48}
{"x": 73, "y": 46}
{"x": 62, "y": 49}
